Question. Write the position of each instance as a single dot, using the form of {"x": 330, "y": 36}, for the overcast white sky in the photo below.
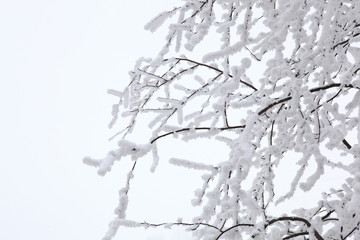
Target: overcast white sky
{"x": 57, "y": 59}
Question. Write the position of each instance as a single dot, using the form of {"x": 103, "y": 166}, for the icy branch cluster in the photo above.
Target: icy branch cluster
{"x": 268, "y": 77}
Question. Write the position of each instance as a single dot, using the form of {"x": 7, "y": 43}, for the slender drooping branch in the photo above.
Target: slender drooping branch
{"x": 269, "y": 223}
{"x": 261, "y": 112}
{"x": 333, "y": 85}
{"x": 196, "y": 129}
{"x": 296, "y": 235}
{"x": 296, "y": 219}
{"x": 196, "y": 225}
{"x": 215, "y": 69}
{"x": 233, "y": 227}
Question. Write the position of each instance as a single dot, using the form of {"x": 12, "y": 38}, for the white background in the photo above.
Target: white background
{"x": 57, "y": 60}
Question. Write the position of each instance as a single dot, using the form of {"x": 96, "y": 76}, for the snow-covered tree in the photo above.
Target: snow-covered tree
{"x": 278, "y": 82}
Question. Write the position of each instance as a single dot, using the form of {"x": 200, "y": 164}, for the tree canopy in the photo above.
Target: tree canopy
{"x": 276, "y": 81}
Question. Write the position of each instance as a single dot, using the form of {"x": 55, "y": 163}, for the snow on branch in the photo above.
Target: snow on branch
{"x": 126, "y": 148}
{"x": 191, "y": 165}
{"x": 279, "y": 83}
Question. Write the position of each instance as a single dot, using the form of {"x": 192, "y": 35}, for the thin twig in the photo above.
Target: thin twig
{"x": 216, "y": 69}
{"x": 196, "y": 129}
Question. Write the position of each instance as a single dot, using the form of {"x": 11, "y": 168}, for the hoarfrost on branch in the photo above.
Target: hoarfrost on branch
{"x": 273, "y": 80}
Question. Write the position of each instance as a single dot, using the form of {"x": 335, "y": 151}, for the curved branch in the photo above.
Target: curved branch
{"x": 296, "y": 235}
{"x": 317, "y": 89}
{"x": 235, "y": 226}
{"x": 295, "y": 219}
{"x": 197, "y": 129}
{"x": 261, "y": 112}
{"x": 146, "y": 224}
{"x": 280, "y": 219}
{"x": 217, "y": 70}
{"x": 327, "y": 215}
{"x": 352, "y": 231}
{"x": 333, "y": 85}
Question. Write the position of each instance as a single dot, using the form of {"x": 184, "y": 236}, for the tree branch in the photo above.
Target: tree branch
{"x": 215, "y": 69}
{"x": 280, "y": 219}
{"x": 352, "y": 231}
{"x": 333, "y": 85}
{"x": 197, "y": 129}
{"x": 261, "y": 112}
{"x": 146, "y": 224}
{"x": 235, "y": 226}
{"x": 296, "y": 219}
{"x": 296, "y": 235}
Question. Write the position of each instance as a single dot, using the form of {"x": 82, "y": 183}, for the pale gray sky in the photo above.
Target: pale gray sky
{"x": 57, "y": 59}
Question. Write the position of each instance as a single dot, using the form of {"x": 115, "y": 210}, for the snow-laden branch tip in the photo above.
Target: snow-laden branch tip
{"x": 191, "y": 165}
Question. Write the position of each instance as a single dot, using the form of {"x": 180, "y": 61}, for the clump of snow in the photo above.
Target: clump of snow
{"x": 126, "y": 148}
